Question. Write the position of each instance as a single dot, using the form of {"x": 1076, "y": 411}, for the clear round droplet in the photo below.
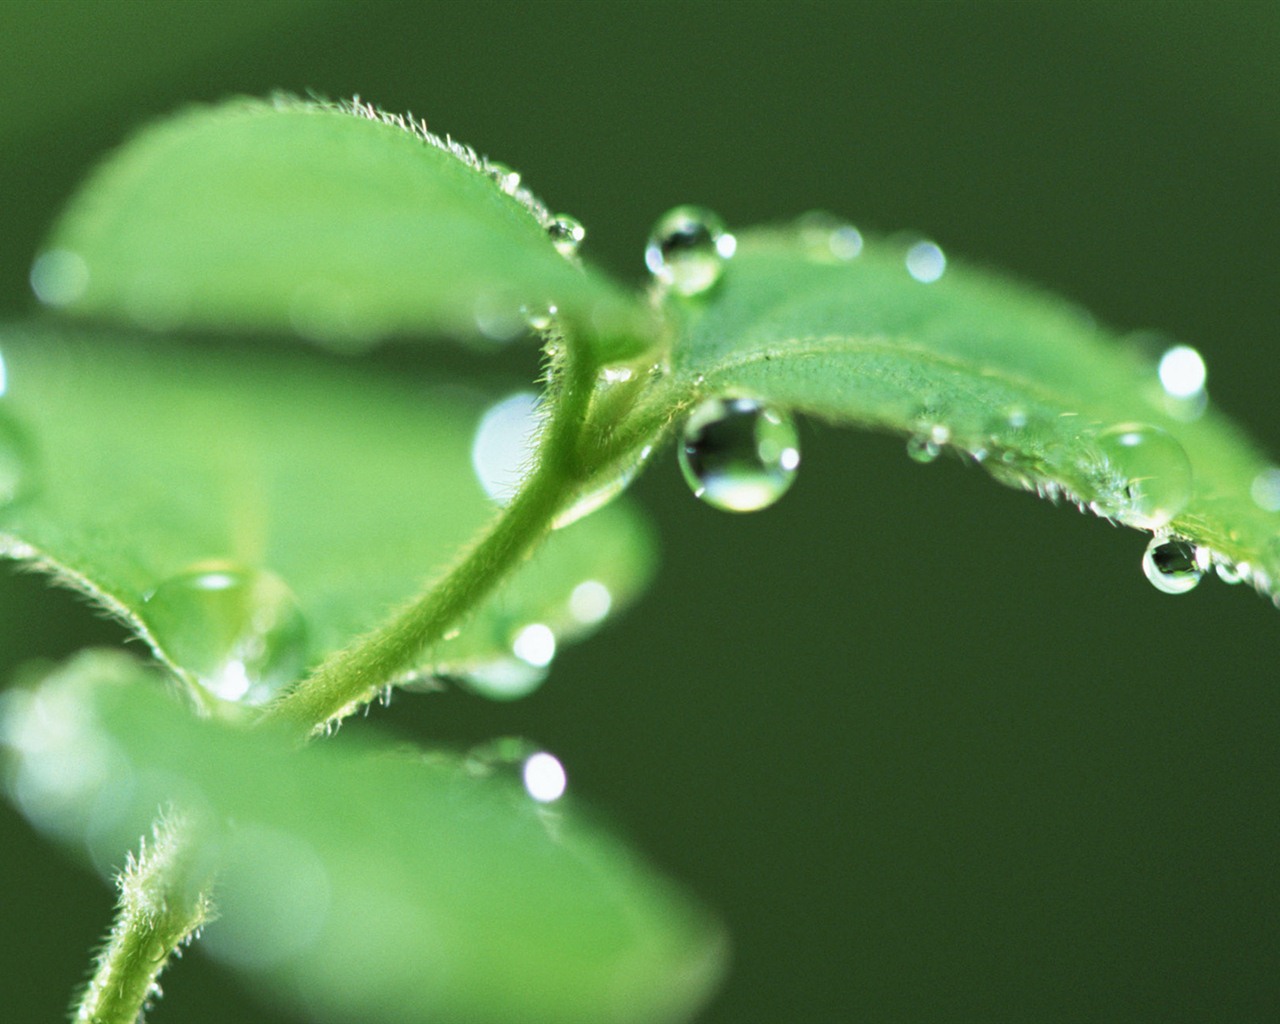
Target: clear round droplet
{"x": 507, "y": 179}
{"x": 1182, "y": 372}
{"x": 926, "y": 262}
{"x": 1174, "y": 566}
{"x": 237, "y": 631}
{"x": 1231, "y": 572}
{"x": 921, "y": 448}
{"x": 1156, "y": 474}
{"x": 535, "y": 645}
{"x": 687, "y": 249}
{"x": 539, "y": 772}
{"x": 566, "y": 234}
{"x": 828, "y": 238}
{"x": 505, "y": 444}
{"x": 540, "y": 317}
{"x": 739, "y": 455}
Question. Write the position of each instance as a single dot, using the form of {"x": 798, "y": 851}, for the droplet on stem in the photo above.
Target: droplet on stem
{"x": 739, "y": 455}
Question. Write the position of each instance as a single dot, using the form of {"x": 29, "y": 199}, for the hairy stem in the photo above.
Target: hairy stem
{"x": 352, "y": 676}
{"x": 162, "y": 905}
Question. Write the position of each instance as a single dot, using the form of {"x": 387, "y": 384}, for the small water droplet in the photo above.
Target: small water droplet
{"x": 1156, "y": 472}
{"x": 59, "y": 277}
{"x": 540, "y": 317}
{"x": 590, "y": 602}
{"x": 926, "y": 262}
{"x": 739, "y": 455}
{"x": 1182, "y": 372}
{"x": 687, "y": 249}
{"x": 828, "y": 238}
{"x": 505, "y": 444}
{"x": 921, "y": 448}
{"x": 239, "y": 632}
{"x": 535, "y": 645}
{"x": 539, "y": 772}
{"x": 1174, "y": 566}
{"x": 566, "y": 234}
{"x": 1231, "y": 572}
{"x": 507, "y": 179}
{"x": 1265, "y": 489}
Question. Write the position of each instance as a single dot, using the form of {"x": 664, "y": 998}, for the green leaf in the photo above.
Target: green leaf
{"x": 335, "y": 222}
{"x": 1022, "y": 382}
{"x": 359, "y": 880}
{"x": 131, "y": 463}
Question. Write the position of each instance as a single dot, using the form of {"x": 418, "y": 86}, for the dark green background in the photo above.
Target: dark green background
{"x": 934, "y": 750}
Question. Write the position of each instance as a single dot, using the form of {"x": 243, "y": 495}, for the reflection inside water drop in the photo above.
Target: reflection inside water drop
{"x": 237, "y": 631}
{"x": 738, "y": 454}
{"x": 1174, "y": 566}
{"x": 687, "y": 249}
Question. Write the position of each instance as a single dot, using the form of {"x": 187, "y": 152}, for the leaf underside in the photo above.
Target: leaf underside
{"x": 1020, "y": 381}
{"x": 360, "y": 881}
{"x": 353, "y": 485}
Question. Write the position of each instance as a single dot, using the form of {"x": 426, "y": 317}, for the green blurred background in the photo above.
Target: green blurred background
{"x": 934, "y": 750}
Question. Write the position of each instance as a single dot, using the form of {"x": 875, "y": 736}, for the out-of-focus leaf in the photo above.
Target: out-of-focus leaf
{"x": 360, "y": 882}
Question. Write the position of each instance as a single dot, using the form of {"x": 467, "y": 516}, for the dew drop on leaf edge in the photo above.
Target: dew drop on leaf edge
{"x": 739, "y": 455}
{"x": 687, "y": 250}
{"x": 1173, "y": 565}
{"x": 1155, "y": 470}
{"x": 566, "y": 233}
{"x": 237, "y": 631}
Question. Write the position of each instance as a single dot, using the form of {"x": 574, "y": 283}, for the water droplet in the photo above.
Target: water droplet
{"x": 541, "y": 317}
{"x": 540, "y": 773}
{"x": 1174, "y": 566}
{"x": 237, "y": 631}
{"x": 590, "y": 602}
{"x": 926, "y": 261}
{"x": 59, "y": 277}
{"x": 739, "y": 455}
{"x": 499, "y": 318}
{"x": 17, "y": 460}
{"x": 828, "y": 238}
{"x": 544, "y": 777}
{"x": 1231, "y": 572}
{"x": 687, "y": 249}
{"x": 535, "y": 645}
{"x": 1265, "y": 489}
{"x": 499, "y": 679}
{"x": 504, "y": 177}
{"x": 1156, "y": 472}
{"x": 566, "y": 234}
{"x": 505, "y": 444}
{"x": 921, "y": 448}
{"x": 1182, "y": 372}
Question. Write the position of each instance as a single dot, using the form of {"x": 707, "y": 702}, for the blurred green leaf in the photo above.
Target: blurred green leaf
{"x": 1024, "y": 383}
{"x": 135, "y": 465}
{"x": 362, "y": 882}
{"x": 341, "y": 226}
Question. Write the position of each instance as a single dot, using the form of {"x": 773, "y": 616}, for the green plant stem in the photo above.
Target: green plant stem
{"x": 353, "y": 675}
{"x": 162, "y": 904}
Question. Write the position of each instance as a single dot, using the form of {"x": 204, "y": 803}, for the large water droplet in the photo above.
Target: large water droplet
{"x": 739, "y": 455}
{"x": 1156, "y": 472}
{"x": 566, "y": 234}
{"x": 237, "y": 631}
{"x": 687, "y": 249}
{"x": 1174, "y": 566}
